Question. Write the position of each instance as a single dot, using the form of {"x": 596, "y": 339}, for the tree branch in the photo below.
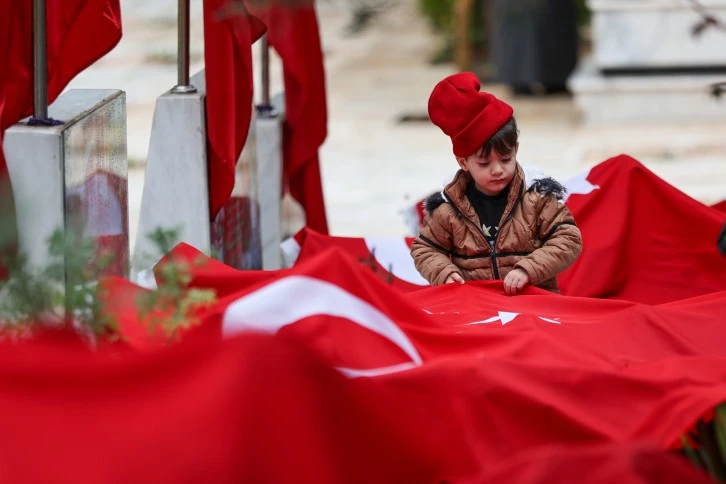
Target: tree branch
{"x": 707, "y": 19}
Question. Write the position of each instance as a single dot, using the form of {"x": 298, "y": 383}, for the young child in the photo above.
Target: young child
{"x": 489, "y": 222}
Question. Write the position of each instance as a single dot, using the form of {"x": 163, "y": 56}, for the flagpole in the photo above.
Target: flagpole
{"x": 40, "y": 67}
{"x": 265, "y": 47}
{"x": 265, "y": 107}
{"x": 182, "y": 58}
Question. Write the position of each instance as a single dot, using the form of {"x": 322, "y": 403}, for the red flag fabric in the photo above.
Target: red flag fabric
{"x": 621, "y": 333}
{"x": 502, "y": 375}
{"x": 206, "y": 412}
{"x": 293, "y": 32}
{"x": 229, "y": 31}
{"x": 643, "y": 239}
{"x": 631, "y": 463}
{"x": 79, "y": 32}
{"x": 387, "y": 257}
{"x": 720, "y": 206}
{"x": 252, "y": 409}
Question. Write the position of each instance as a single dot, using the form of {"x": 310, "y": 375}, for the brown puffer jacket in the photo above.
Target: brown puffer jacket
{"x": 537, "y": 233}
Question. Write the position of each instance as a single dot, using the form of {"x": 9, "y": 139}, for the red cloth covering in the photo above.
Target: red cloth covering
{"x": 643, "y": 239}
{"x": 259, "y": 408}
{"x": 79, "y": 32}
{"x": 497, "y": 375}
{"x": 253, "y": 409}
{"x": 229, "y": 31}
{"x": 631, "y": 463}
{"x": 720, "y": 206}
{"x": 389, "y": 258}
{"x": 292, "y": 30}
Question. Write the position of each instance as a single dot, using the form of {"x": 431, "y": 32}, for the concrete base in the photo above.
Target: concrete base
{"x": 246, "y": 232}
{"x": 638, "y": 98}
{"x": 73, "y": 176}
{"x": 175, "y": 192}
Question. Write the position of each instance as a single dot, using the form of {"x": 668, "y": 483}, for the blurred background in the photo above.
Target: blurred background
{"x": 587, "y": 79}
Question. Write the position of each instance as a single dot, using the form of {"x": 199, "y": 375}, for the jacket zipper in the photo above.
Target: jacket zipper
{"x": 492, "y": 244}
{"x": 495, "y": 264}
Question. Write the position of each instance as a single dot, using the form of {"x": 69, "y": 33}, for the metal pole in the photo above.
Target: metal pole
{"x": 182, "y": 59}
{"x": 40, "y": 66}
{"x": 265, "y": 70}
{"x": 265, "y": 109}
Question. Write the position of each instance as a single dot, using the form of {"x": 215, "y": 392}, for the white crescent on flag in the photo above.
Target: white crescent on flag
{"x": 294, "y": 298}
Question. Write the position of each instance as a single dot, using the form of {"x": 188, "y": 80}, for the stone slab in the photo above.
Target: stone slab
{"x": 655, "y": 34}
{"x": 74, "y": 175}
{"x": 644, "y": 98}
{"x": 175, "y": 194}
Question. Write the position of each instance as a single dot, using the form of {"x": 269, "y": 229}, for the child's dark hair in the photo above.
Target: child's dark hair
{"x": 503, "y": 142}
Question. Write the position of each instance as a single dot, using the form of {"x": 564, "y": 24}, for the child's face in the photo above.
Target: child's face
{"x": 493, "y": 173}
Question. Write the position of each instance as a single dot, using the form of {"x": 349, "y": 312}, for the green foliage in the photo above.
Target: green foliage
{"x": 439, "y": 13}
{"x": 171, "y": 308}
{"x": 66, "y": 292}
{"x": 720, "y": 430}
{"x": 706, "y": 447}
{"x": 63, "y": 292}
{"x": 583, "y": 13}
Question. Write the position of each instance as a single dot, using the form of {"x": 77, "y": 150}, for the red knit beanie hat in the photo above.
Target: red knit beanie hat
{"x": 466, "y": 115}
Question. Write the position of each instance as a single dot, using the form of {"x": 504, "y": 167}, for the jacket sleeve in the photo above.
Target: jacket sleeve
{"x": 562, "y": 242}
{"x": 431, "y": 249}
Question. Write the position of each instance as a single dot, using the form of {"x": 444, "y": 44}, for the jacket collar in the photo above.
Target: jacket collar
{"x": 455, "y": 192}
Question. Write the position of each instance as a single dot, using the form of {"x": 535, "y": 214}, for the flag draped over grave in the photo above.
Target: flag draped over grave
{"x": 494, "y": 377}
{"x": 328, "y": 369}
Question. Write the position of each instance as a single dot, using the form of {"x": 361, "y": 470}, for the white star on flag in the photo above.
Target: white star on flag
{"x": 503, "y": 316}
{"x": 506, "y": 317}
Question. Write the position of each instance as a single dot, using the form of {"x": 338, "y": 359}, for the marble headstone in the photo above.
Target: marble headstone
{"x": 73, "y": 176}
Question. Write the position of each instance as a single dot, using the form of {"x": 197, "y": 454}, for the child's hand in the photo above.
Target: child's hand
{"x": 455, "y": 277}
{"x": 515, "y": 281}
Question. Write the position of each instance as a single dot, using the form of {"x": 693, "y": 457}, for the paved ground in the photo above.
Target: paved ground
{"x": 374, "y": 166}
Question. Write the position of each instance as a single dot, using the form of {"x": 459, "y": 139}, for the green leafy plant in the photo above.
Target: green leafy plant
{"x": 172, "y": 306}
{"x": 705, "y": 447}
{"x": 65, "y": 292}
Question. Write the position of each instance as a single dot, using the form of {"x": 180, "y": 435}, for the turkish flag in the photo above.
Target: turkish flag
{"x": 497, "y": 375}
{"x": 626, "y": 463}
{"x": 643, "y": 239}
{"x": 219, "y": 418}
{"x": 229, "y": 31}
{"x": 431, "y": 323}
{"x": 252, "y": 409}
{"x": 79, "y": 32}
{"x": 292, "y": 30}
